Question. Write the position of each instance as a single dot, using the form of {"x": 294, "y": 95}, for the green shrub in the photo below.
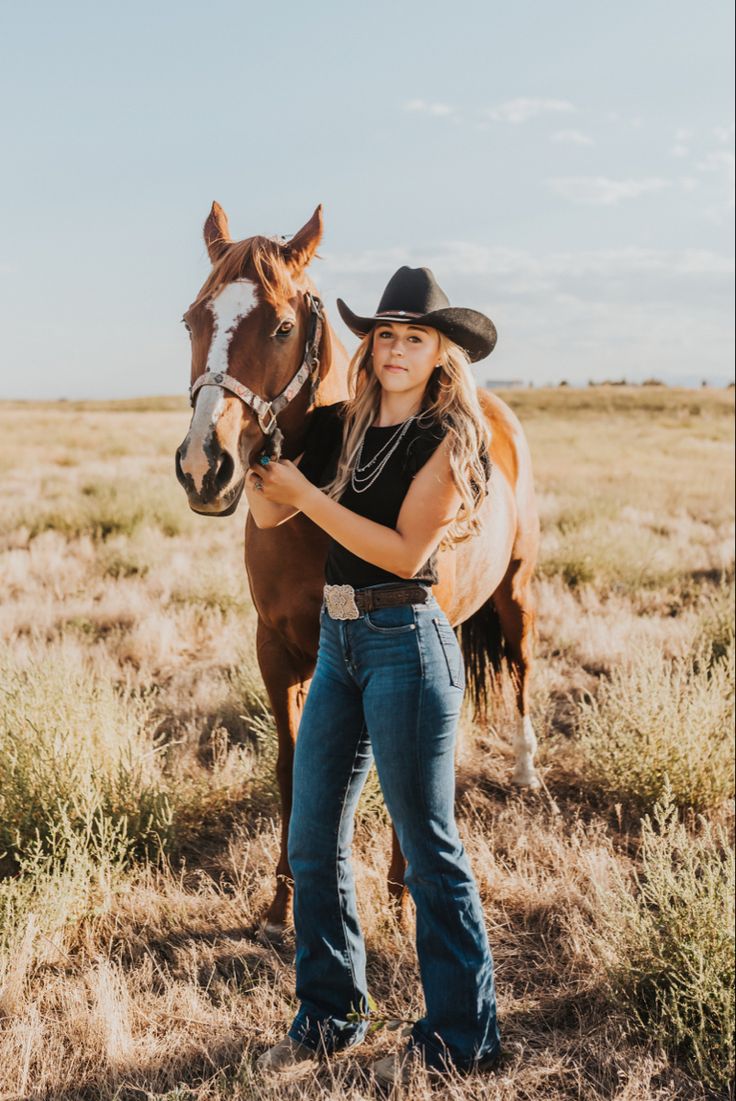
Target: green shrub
{"x": 61, "y": 876}
{"x": 249, "y": 700}
{"x": 669, "y": 947}
{"x": 119, "y": 563}
{"x": 75, "y": 749}
{"x": 211, "y": 589}
{"x": 660, "y": 719}
{"x": 715, "y": 637}
{"x": 106, "y": 508}
{"x": 591, "y": 547}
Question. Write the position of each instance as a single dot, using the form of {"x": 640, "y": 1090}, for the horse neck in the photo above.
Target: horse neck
{"x": 333, "y": 371}
{"x": 331, "y": 387}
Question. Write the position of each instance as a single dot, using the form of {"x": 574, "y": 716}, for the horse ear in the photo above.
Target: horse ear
{"x": 303, "y": 245}
{"x": 216, "y": 232}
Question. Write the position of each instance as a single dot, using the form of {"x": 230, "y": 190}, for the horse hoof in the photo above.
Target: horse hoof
{"x": 526, "y": 780}
{"x": 272, "y": 931}
{"x": 401, "y": 913}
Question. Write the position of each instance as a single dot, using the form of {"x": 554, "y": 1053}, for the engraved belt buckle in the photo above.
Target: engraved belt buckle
{"x": 340, "y": 602}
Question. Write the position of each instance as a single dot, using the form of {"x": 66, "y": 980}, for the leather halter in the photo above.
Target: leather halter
{"x": 265, "y": 410}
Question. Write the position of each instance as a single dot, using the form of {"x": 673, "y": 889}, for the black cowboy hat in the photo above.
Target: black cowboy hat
{"x": 413, "y": 296}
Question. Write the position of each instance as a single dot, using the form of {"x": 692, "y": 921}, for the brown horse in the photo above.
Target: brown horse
{"x": 263, "y": 356}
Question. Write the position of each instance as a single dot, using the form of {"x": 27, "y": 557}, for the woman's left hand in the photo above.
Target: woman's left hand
{"x": 282, "y": 482}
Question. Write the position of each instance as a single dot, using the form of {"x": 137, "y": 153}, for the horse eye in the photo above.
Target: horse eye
{"x": 285, "y": 328}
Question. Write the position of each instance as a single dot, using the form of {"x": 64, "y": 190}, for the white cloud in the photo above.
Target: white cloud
{"x": 369, "y": 262}
{"x": 634, "y": 122}
{"x": 540, "y": 270}
{"x": 574, "y": 314}
{"x": 440, "y": 110}
{"x": 688, "y": 183}
{"x": 724, "y": 134}
{"x": 717, "y": 160}
{"x": 518, "y": 272}
{"x": 722, "y": 163}
{"x": 571, "y": 137}
{"x": 527, "y": 107}
{"x": 602, "y": 191}
{"x": 680, "y": 150}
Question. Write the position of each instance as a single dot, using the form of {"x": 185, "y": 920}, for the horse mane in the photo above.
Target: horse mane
{"x": 257, "y": 258}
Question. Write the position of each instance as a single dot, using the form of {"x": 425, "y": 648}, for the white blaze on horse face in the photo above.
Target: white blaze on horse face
{"x": 228, "y": 308}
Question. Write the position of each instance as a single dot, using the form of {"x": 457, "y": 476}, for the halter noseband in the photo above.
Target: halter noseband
{"x": 267, "y": 411}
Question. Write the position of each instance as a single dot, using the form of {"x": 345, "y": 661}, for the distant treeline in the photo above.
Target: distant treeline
{"x": 644, "y": 382}
{"x": 517, "y": 384}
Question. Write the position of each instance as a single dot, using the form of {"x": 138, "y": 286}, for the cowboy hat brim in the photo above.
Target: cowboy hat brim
{"x": 471, "y": 330}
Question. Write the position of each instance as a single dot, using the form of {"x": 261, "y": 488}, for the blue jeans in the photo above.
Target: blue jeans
{"x": 388, "y": 684}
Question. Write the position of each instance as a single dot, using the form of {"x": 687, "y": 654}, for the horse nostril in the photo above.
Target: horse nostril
{"x": 181, "y": 476}
{"x": 225, "y": 470}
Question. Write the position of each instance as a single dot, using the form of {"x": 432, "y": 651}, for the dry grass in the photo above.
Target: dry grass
{"x": 670, "y": 945}
{"x": 658, "y": 724}
{"x": 129, "y": 963}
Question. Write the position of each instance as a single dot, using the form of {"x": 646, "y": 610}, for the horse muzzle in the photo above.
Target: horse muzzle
{"x": 224, "y": 507}
{"x": 212, "y": 480}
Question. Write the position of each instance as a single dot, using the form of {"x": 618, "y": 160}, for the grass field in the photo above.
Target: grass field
{"x": 138, "y": 813}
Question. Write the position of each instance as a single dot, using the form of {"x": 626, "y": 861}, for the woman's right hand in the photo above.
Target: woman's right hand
{"x": 267, "y": 514}
{"x": 253, "y": 480}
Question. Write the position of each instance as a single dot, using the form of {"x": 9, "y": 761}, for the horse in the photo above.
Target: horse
{"x": 264, "y": 356}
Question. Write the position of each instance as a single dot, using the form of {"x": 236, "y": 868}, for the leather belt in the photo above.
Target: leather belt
{"x": 345, "y": 602}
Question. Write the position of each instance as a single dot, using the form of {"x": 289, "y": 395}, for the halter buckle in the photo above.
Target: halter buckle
{"x": 267, "y": 427}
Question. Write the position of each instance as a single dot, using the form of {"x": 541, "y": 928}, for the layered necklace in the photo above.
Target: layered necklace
{"x": 364, "y": 475}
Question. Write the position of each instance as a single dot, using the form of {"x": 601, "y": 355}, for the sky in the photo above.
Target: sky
{"x": 567, "y": 168}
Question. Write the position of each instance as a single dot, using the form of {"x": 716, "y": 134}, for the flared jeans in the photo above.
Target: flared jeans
{"x": 387, "y": 685}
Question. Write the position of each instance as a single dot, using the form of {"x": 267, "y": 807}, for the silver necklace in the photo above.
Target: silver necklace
{"x": 363, "y": 476}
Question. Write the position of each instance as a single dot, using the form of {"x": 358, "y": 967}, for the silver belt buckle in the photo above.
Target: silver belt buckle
{"x": 340, "y": 602}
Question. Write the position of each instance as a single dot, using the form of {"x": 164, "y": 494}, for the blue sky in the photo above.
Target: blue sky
{"x": 566, "y": 167}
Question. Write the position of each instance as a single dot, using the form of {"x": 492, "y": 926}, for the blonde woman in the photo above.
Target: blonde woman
{"x": 390, "y": 475}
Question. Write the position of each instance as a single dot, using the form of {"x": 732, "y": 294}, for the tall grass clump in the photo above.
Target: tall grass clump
{"x": 659, "y": 720}
{"x": 59, "y": 879}
{"x": 104, "y": 508}
{"x": 715, "y": 637}
{"x": 76, "y": 752}
{"x": 592, "y": 546}
{"x": 669, "y": 946}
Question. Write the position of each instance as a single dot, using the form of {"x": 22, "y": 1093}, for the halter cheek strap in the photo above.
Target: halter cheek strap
{"x": 265, "y": 410}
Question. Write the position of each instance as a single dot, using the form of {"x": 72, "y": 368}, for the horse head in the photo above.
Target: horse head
{"x": 258, "y": 349}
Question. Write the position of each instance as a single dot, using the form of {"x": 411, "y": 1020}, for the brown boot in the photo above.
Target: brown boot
{"x": 396, "y": 1069}
{"x": 287, "y": 1057}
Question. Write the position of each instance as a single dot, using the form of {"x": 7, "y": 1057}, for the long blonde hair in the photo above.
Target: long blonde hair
{"x": 450, "y": 400}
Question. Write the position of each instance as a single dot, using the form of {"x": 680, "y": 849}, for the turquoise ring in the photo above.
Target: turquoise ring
{"x": 264, "y": 460}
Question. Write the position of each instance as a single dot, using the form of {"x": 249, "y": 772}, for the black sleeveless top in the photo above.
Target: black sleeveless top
{"x": 383, "y": 500}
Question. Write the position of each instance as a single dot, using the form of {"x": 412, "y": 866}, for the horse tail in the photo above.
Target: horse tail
{"x": 485, "y": 652}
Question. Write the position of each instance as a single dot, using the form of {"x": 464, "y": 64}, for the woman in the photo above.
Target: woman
{"x": 390, "y": 475}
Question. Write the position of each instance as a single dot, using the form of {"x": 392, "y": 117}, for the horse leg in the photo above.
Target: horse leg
{"x": 286, "y": 680}
{"x": 514, "y": 603}
{"x": 397, "y": 891}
